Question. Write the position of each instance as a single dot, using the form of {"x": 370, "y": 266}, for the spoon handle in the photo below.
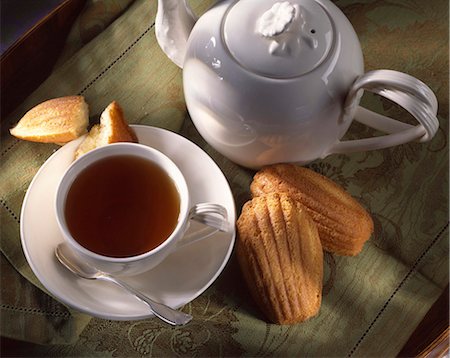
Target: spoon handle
{"x": 167, "y": 314}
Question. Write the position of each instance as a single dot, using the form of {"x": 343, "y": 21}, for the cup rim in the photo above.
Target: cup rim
{"x": 180, "y": 184}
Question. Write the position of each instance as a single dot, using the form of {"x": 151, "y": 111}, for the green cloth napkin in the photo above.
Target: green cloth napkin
{"x": 371, "y": 304}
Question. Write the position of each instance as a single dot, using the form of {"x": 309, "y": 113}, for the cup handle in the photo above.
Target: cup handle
{"x": 214, "y": 216}
{"x": 406, "y": 91}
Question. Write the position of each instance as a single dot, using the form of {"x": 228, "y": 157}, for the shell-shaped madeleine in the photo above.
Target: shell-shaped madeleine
{"x": 281, "y": 257}
{"x": 344, "y": 225}
{"x": 57, "y": 120}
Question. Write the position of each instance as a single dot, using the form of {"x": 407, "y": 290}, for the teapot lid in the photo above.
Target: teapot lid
{"x": 278, "y": 39}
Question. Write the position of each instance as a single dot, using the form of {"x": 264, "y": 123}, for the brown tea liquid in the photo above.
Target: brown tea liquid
{"x": 122, "y": 206}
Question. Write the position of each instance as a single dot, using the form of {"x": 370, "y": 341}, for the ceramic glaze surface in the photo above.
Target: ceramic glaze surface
{"x": 277, "y": 19}
{"x": 256, "y": 120}
{"x": 135, "y": 264}
{"x": 268, "y": 81}
{"x": 278, "y": 43}
{"x": 173, "y": 23}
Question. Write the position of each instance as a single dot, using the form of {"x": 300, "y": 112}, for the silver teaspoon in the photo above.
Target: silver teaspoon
{"x": 71, "y": 261}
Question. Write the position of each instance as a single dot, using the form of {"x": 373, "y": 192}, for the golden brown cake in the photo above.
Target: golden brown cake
{"x": 344, "y": 225}
{"x": 113, "y": 128}
{"x": 281, "y": 258}
{"x": 57, "y": 120}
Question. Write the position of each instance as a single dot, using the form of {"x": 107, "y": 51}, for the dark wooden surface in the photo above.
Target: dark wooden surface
{"x": 433, "y": 324}
{"x": 29, "y": 61}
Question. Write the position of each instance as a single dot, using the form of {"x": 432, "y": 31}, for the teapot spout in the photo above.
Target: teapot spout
{"x": 173, "y": 24}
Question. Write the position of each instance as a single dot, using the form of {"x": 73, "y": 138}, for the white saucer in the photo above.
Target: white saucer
{"x": 179, "y": 279}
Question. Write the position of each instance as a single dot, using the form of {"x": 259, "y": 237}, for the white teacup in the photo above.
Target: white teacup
{"x": 72, "y": 206}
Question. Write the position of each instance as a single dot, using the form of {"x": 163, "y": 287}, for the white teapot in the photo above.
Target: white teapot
{"x": 268, "y": 81}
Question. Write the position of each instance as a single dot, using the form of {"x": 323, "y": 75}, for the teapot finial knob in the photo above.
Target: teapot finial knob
{"x": 278, "y": 38}
{"x": 277, "y": 25}
{"x": 277, "y": 19}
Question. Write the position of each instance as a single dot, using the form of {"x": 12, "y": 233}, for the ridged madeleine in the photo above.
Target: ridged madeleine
{"x": 281, "y": 258}
{"x": 57, "y": 120}
{"x": 344, "y": 225}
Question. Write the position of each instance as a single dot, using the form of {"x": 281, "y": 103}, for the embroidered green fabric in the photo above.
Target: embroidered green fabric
{"x": 371, "y": 303}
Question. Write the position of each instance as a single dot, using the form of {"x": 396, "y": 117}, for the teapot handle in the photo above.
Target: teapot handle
{"x": 406, "y": 91}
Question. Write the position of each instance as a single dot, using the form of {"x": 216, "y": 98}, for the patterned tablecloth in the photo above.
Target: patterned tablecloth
{"x": 372, "y": 303}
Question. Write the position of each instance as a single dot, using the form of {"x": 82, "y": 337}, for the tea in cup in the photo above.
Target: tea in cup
{"x": 124, "y": 207}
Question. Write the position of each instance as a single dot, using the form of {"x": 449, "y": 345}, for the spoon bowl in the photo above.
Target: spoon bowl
{"x": 73, "y": 263}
